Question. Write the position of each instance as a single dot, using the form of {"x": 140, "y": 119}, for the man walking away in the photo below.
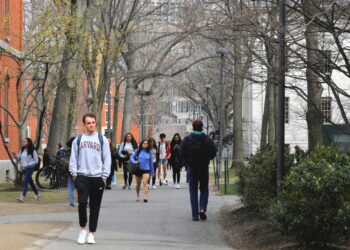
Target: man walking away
{"x": 60, "y": 154}
{"x": 90, "y": 165}
{"x": 196, "y": 150}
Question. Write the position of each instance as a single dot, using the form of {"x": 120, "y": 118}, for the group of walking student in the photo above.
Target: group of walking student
{"x": 91, "y": 160}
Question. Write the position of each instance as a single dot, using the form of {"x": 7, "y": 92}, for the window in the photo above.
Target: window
{"x": 325, "y": 57}
{"x": 286, "y": 110}
{"x": 108, "y": 117}
{"x": 7, "y": 7}
{"x": 75, "y": 132}
{"x": 326, "y": 109}
{"x": 107, "y": 97}
{"x": 6, "y": 104}
{"x": 173, "y": 107}
{"x": 28, "y": 132}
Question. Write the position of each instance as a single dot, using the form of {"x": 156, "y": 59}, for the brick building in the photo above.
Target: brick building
{"x": 11, "y": 45}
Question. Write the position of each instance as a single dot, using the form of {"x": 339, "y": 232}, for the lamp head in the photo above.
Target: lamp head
{"x": 222, "y": 51}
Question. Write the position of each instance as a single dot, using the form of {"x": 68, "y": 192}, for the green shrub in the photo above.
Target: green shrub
{"x": 315, "y": 203}
{"x": 257, "y": 183}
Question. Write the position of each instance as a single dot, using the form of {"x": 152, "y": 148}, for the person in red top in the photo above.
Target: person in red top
{"x": 163, "y": 155}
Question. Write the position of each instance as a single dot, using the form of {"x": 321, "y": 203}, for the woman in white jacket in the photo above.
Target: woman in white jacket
{"x": 28, "y": 158}
{"x": 126, "y": 149}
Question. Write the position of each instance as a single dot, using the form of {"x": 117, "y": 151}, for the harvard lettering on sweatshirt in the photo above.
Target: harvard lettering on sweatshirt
{"x": 87, "y": 160}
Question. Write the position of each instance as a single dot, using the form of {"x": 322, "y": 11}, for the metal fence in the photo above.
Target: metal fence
{"x": 221, "y": 171}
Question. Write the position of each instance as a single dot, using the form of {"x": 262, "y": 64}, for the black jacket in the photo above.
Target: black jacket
{"x": 197, "y": 150}
{"x": 175, "y": 159}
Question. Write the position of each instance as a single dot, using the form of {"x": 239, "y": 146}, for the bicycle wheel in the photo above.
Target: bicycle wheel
{"x": 46, "y": 178}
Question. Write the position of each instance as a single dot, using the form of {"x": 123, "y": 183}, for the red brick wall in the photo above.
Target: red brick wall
{"x": 13, "y": 23}
{"x": 9, "y": 92}
{"x": 10, "y": 26}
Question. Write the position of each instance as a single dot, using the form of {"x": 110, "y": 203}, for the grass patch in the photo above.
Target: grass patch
{"x": 9, "y": 194}
{"x": 231, "y": 189}
{"x": 232, "y": 176}
{"x": 232, "y": 179}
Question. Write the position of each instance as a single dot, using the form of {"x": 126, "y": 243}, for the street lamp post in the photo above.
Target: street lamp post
{"x": 207, "y": 87}
{"x": 222, "y": 52}
{"x": 281, "y": 94}
{"x": 143, "y": 99}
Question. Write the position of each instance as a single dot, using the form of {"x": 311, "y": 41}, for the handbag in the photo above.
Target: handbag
{"x": 133, "y": 167}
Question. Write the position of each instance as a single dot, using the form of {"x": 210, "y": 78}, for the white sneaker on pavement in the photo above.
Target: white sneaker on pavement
{"x": 154, "y": 187}
{"x": 36, "y": 197}
{"x": 91, "y": 239}
{"x": 20, "y": 198}
{"x": 82, "y": 237}
{"x": 177, "y": 186}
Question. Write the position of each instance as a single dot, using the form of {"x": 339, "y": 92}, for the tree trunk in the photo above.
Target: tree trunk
{"x": 64, "y": 103}
{"x": 314, "y": 85}
{"x": 129, "y": 94}
{"x": 239, "y": 74}
{"x": 115, "y": 112}
{"x": 271, "y": 89}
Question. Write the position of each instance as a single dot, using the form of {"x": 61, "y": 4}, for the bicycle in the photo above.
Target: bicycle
{"x": 51, "y": 176}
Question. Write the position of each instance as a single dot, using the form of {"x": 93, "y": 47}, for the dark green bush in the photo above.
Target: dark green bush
{"x": 257, "y": 183}
{"x": 315, "y": 203}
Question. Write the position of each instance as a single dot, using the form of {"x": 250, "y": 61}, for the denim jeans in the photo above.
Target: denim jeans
{"x": 201, "y": 177}
{"x": 28, "y": 180}
{"x": 70, "y": 190}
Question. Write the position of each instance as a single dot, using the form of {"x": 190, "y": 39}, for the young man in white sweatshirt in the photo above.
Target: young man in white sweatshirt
{"x": 89, "y": 165}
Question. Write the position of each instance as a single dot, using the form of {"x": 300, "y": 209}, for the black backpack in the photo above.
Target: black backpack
{"x": 197, "y": 151}
{"x": 65, "y": 161}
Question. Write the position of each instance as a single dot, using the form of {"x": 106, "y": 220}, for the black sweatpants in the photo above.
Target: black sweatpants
{"x": 127, "y": 175}
{"x": 176, "y": 173}
{"x": 89, "y": 188}
{"x": 109, "y": 179}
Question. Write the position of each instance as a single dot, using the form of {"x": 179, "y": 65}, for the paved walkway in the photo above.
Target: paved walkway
{"x": 162, "y": 223}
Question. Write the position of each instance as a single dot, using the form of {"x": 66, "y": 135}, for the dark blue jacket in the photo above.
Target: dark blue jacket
{"x": 197, "y": 149}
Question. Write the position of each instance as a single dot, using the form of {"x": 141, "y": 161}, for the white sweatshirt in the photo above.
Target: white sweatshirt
{"x": 128, "y": 147}
{"x": 26, "y": 160}
{"x": 88, "y": 160}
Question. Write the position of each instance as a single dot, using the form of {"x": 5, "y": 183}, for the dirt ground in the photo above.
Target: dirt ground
{"x": 249, "y": 231}
{"x": 29, "y": 235}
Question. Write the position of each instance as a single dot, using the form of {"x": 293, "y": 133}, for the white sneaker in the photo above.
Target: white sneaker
{"x": 154, "y": 187}
{"x": 177, "y": 186}
{"x": 20, "y": 198}
{"x": 91, "y": 239}
{"x": 82, "y": 237}
{"x": 36, "y": 197}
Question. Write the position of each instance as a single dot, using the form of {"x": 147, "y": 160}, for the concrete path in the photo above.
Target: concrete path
{"x": 162, "y": 223}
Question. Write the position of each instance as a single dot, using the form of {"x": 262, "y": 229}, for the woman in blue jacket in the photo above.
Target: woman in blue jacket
{"x": 144, "y": 157}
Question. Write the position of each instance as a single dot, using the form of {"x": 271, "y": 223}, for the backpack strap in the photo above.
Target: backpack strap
{"x": 78, "y": 142}
{"x": 100, "y": 137}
